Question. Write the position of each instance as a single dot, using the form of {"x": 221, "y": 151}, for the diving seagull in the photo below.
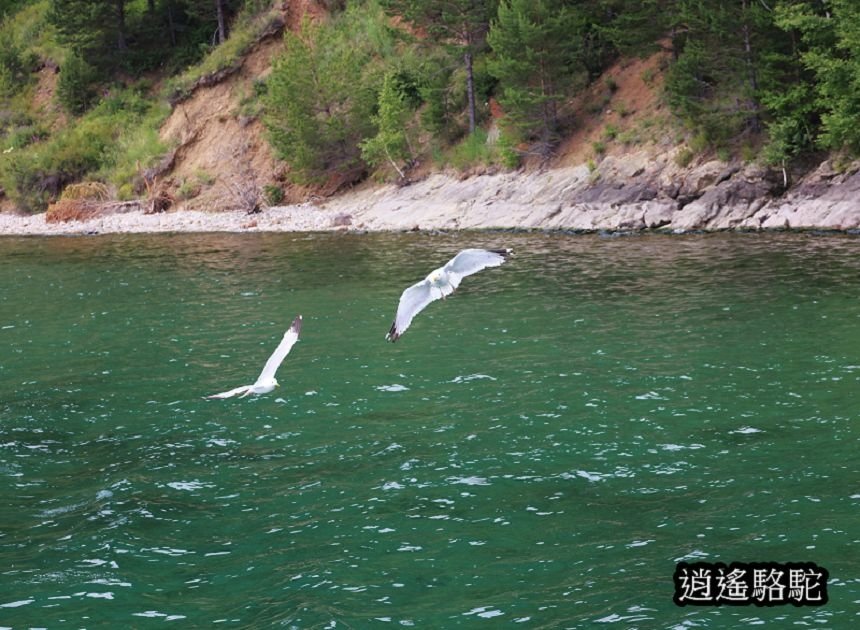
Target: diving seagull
{"x": 441, "y": 283}
{"x": 266, "y": 382}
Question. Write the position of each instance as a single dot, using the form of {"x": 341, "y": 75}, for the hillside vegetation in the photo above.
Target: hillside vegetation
{"x": 100, "y": 90}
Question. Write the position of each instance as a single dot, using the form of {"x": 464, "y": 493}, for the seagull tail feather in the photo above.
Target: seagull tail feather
{"x": 392, "y": 335}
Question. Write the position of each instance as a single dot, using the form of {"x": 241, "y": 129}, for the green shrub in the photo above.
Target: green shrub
{"x": 472, "y": 151}
{"x": 21, "y": 136}
{"x": 508, "y": 153}
{"x": 683, "y": 157}
{"x": 13, "y": 73}
{"x": 203, "y": 177}
{"x": 647, "y": 76}
{"x": 630, "y": 136}
{"x": 438, "y": 115}
{"x": 748, "y": 153}
{"x": 322, "y": 94}
{"x": 188, "y": 189}
{"x": 76, "y": 88}
{"x": 26, "y": 183}
{"x": 700, "y": 143}
{"x": 390, "y": 145}
{"x": 273, "y": 195}
{"x": 610, "y": 132}
{"x": 111, "y": 142}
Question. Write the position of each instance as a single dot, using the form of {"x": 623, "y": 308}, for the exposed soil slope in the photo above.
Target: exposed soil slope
{"x": 220, "y": 152}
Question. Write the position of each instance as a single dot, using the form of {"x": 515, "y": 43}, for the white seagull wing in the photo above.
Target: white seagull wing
{"x": 287, "y": 342}
{"x": 471, "y": 261}
{"x": 412, "y": 302}
{"x": 233, "y": 392}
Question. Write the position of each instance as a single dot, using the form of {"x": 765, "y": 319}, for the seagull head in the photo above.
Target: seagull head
{"x": 265, "y": 385}
{"x": 436, "y": 277}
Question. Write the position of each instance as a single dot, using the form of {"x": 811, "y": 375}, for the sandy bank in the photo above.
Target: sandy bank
{"x": 629, "y": 192}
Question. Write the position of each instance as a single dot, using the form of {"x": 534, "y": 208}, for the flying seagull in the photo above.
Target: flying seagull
{"x": 266, "y": 382}
{"x": 441, "y": 283}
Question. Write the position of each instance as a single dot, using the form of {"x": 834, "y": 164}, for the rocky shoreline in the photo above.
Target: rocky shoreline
{"x": 631, "y": 192}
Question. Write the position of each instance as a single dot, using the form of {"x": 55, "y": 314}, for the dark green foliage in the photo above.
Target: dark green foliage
{"x": 439, "y": 112}
{"x": 14, "y": 69}
{"x": 88, "y": 27}
{"x": 632, "y": 27}
{"x": 459, "y": 22}
{"x": 322, "y": 95}
{"x": 215, "y": 14}
{"x": 129, "y": 36}
{"x": 391, "y": 143}
{"x": 824, "y": 102}
{"x": 537, "y": 48}
{"x": 8, "y": 7}
{"x": 76, "y": 87}
{"x": 724, "y": 52}
{"x": 459, "y": 25}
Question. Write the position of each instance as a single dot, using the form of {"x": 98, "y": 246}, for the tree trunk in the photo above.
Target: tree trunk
{"x": 470, "y": 90}
{"x": 753, "y": 79}
{"x": 170, "y": 25}
{"x": 120, "y": 25}
{"x": 222, "y": 23}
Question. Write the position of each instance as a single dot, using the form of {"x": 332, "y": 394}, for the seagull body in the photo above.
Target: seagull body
{"x": 267, "y": 382}
{"x": 441, "y": 283}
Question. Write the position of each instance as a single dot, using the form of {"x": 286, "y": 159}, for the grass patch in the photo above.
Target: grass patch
{"x": 610, "y": 132}
{"x": 648, "y": 75}
{"x": 472, "y": 151}
{"x": 748, "y": 153}
{"x": 273, "y": 195}
{"x": 630, "y": 137}
{"x": 684, "y": 157}
{"x": 254, "y": 20}
{"x": 112, "y": 142}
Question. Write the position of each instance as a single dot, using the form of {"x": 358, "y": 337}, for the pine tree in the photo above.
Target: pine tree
{"x": 390, "y": 144}
{"x": 536, "y": 46}
{"x": 85, "y": 26}
{"x": 829, "y": 47}
{"x": 723, "y": 52}
{"x": 217, "y": 13}
{"x": 633, "y": 27}
{"x": 75, "y": 86}
{"x": 320, "y": 100}
{"x": 460, "y": 24}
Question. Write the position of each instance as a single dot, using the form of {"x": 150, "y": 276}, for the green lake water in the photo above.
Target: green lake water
{"x": 537, "y": 451}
